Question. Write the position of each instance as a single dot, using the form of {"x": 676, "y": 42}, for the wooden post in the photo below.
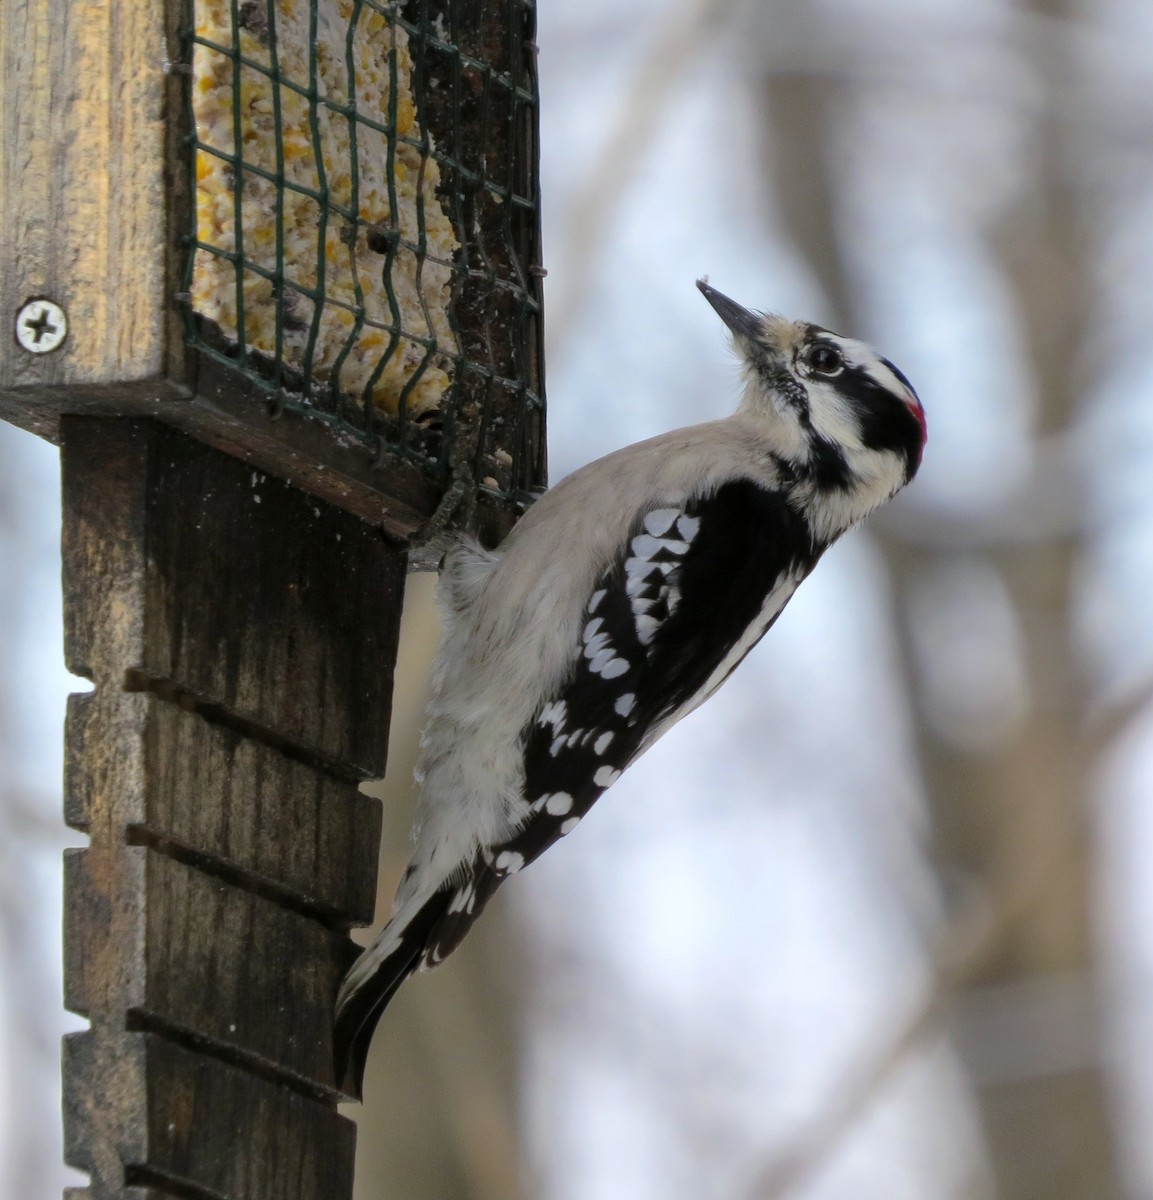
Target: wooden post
{"x": 241, "y": 637}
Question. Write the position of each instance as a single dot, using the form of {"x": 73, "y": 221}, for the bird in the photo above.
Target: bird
{"x": 622, "y": 600}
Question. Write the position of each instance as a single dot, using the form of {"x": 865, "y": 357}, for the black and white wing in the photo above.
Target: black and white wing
{"x": 694, "y": 589}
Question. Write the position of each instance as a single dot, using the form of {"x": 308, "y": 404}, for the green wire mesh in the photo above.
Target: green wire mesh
{"x": 328, "y": 264}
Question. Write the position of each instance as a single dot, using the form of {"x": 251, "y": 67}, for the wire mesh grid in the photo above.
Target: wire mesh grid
{"x": 365, "y": 242}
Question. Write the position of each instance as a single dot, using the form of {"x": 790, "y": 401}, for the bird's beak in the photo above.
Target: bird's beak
{"x": 741, "y": 321}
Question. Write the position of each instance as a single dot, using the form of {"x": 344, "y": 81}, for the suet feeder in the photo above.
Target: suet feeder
{"x": 272, "y": 279}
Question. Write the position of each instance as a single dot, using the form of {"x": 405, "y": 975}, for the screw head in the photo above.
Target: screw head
{"x": 41, "y": 326}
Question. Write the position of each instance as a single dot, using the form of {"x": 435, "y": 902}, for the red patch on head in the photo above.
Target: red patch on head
{"x": 918, "y": 412}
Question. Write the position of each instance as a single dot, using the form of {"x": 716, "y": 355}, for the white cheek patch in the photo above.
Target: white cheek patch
{"x": 833, "y": 416}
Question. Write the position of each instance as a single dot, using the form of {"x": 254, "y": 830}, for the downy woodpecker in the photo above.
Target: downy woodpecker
{"x": 622, "y": 600}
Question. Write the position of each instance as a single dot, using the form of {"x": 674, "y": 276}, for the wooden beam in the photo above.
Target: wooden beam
{"x": 241, "y": 637}
{"x": 82, "y": 185}
{"x": 297, "y": 447}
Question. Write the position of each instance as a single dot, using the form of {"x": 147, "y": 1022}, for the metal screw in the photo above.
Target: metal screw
{"x": 41, "y": 326}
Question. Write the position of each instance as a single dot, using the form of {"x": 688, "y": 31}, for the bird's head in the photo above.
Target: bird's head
{"x": 836, "y": 411}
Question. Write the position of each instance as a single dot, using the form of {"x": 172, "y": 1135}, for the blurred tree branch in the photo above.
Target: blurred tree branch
{"x": 1016, "y": 813}
{"x": 618, "y": 163}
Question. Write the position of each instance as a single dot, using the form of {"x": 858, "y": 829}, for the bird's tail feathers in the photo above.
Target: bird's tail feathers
{"x": 421, "y": 935}
{"x": 396, "y": 952}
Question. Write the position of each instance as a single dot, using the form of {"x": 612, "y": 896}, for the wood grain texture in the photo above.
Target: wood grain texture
{"x": 247, "y": 811}
{"x": 395, "y": 495}
{"x": 241, "y": 636}
{"x": 82, "y": 184}
{"x": 305, "y": 583}
{"x": 208, "y": 963}
{"x": 128, "y": 1193}
{"x": 103, "y": 542}
{"x": 269, "y": 648}
{"x": 151, "y": 1118}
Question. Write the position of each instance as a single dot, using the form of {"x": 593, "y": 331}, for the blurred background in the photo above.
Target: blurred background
{"x": 876, "y": 921}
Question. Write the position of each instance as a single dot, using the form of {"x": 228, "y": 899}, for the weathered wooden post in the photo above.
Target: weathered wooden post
{"x": 275, "y": 291}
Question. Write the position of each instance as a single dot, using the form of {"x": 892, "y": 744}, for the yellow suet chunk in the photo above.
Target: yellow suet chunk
{"x": 278, "y": 132}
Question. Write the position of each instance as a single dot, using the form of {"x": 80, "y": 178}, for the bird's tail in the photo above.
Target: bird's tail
{"x": 396, "y": 952}
{"x": 421, "y": 934}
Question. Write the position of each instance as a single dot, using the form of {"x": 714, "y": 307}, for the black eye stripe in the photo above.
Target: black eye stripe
{"x": 886, "y": 421}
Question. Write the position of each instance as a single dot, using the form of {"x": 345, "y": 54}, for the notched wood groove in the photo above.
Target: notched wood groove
{"x": 139, "y": 1175}
{"x": 235, "y": 876}
{"x": 136, "y": 680}
{"x": 138, "y": 1021}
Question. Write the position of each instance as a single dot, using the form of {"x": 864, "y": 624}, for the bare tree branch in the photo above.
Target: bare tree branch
{"x": 616, "y": 167}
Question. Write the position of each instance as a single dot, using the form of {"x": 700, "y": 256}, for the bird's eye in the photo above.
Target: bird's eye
{"x": 825, "y": 359}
